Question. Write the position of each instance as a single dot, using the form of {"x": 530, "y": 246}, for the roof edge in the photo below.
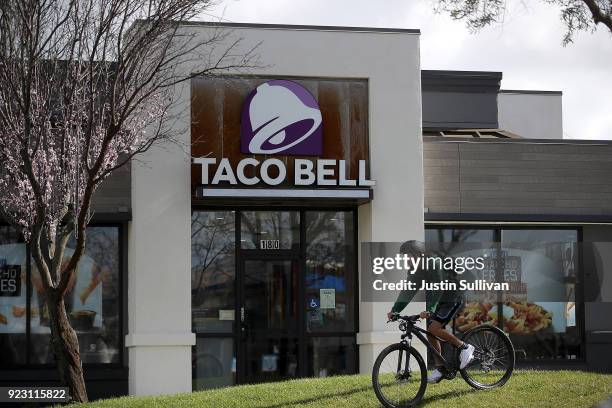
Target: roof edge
{"x": 303, "y": 27}
{"x": 530, "y": 92}
{"x": 594, "y": 142}
{"x": 435, "y": 73}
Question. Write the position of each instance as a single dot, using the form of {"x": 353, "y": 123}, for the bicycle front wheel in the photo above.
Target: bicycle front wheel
{"x": 493, "y": 358}
{"x": 399, "y": 376}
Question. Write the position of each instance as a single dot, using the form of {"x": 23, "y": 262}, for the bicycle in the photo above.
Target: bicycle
{"x": 399, "y": 382}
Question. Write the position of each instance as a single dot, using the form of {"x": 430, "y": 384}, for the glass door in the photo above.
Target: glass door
{"x": 268, "y": 319}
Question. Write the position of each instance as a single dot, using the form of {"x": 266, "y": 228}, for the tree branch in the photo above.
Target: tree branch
{"x": 599, "y": 16}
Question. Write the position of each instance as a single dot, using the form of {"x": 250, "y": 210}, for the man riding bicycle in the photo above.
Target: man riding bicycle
{"x": 441, "y": 307}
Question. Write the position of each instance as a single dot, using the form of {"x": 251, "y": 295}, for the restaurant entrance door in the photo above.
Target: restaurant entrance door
{"x": 268, "y": 321}
{"x": 274, "y": 294}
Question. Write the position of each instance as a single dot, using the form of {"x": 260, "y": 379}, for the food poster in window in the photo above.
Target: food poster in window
{"x": 13, "y": 293}
{"x": 535, "y": 301}
{"x": 543, "y": 307}
{"x": 538, "y": 295}
{"x": 83, "y": 298}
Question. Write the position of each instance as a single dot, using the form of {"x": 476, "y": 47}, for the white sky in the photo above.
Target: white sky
{"x": 526, "y": 47}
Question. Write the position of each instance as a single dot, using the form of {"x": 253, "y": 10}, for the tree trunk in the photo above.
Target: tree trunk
{"x": 65, "y": 345}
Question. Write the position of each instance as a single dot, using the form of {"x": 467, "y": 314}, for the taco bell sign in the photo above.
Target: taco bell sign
{"x": 281, "y": 117}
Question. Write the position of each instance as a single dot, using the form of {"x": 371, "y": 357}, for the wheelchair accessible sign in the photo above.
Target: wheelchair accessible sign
{"x": 326, "y": 300}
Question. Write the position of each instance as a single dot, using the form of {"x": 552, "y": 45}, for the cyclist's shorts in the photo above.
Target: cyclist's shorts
{"x": 445, "y": 311}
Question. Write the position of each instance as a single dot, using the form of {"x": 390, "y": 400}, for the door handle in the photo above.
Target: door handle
{"x": 244, "y": 327}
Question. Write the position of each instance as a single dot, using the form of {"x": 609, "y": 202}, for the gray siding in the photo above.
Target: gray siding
{"x": 518, "y": 177}
{"x": 114, "y": 194}
{"x": 459, "y": 99}
{"x": 459, "y": 110}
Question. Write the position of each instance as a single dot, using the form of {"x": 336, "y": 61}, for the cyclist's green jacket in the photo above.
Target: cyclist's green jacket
{"x": 432, "y": 298}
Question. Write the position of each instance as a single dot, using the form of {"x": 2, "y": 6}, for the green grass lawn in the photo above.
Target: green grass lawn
{"x": 524, "y": 389}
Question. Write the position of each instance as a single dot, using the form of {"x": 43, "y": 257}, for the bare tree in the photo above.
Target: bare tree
{"x": 86, "y": 85}
{"x": 577, "y": 15}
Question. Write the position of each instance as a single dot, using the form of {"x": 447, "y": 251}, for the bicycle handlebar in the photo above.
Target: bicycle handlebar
{"x": 410, "y": 319}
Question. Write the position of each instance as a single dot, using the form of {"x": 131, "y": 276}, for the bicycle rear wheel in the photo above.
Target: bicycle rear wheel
{"x": 399, "y": 376}
{"x": 493, "y": 358}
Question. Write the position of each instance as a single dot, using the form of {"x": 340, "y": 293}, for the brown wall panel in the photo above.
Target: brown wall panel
{"x": 358, "y": 133}
{"x": 330, "y": 100}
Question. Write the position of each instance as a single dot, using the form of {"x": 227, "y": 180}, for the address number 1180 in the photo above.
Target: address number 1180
{"x": 269, "y": 244}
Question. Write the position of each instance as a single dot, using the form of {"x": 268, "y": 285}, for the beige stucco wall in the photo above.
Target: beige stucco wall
{"x": 160, "y": 337}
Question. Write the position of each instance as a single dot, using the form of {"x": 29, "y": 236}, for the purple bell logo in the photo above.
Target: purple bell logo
{"x": 281, "y": 116}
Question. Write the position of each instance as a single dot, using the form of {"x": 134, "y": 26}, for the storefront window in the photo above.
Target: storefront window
{"x": 213, "y": 295}
{"x": 331, "y": 356}
{"x": 330, "y": 271}
{"x": 540, "y": 312}
{"x": 456, "y": 242}
{"x": 545, "y": 263}
{"x": 13, "y": 298}
{"x": 213, "y": 271}
{"x": 92, "y": 302}
{"x": 214, "y": 363}
{"x": 270, "y": 230}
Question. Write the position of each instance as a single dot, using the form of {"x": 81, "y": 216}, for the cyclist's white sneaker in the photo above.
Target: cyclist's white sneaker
{"x": 466, "y": 356}
{"x": 435, "y": 377}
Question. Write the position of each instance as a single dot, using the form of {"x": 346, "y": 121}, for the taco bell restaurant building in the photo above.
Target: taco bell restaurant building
{"x": 232, "y": 257}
